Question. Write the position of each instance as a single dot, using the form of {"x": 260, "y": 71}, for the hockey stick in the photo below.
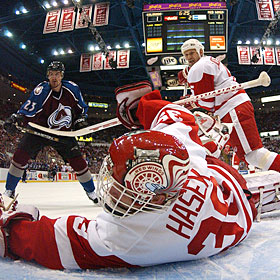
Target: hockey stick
{"x": 262, "y": 80}
{"x": 80, "y": 132}
{"x": 37, "y": 133}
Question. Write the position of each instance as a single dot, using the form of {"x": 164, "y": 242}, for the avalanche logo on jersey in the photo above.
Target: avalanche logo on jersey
{"x": 61, "y": 117}
{"x": 38, "y": 89}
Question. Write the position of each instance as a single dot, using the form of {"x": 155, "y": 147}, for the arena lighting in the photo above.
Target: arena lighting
{"x": 118, "y": 46}
{"x": 65, "y": 2}
{"x": 47, "y": 5}
{"x": 270, "y": 99}
{"x": 126, "y": 45}
{"x": 7, "y": 33}
{"x": 22, "y": 46}
{"x": 23, "y": 10}
{"x": 239, "y": 42}
{"x": 54, "y": 4}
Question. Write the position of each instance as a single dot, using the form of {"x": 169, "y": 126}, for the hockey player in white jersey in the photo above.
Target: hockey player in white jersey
{"x": 205, "y": 74}
{"x": 164, "y": 201}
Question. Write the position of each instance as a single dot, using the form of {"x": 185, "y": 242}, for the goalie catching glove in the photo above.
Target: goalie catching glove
{"x": 16, "y": 212}
{"x": 128, "y": 98}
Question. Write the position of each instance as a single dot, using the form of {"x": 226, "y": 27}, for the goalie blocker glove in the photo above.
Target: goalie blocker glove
{"x": 12, "y": 122}
{"x": 128, "y": 98}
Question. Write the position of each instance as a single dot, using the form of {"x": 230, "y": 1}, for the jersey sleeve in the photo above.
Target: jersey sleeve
{"x": 34, "y": 103}
{"x": 66, "y": 243}
{"x": 81, "y": 107}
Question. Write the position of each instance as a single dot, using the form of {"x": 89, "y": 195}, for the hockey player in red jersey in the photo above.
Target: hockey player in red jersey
{"x": 204, "y": 74}
{"x": 58, "y": 104}
{"x": 164, "y": 201}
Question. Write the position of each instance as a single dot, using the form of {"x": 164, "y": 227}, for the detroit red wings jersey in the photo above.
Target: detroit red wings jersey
{"x": 211, "y": 213}
{"x": 210, "y": 74}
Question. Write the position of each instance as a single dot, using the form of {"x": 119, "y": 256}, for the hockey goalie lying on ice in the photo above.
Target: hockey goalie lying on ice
{"x": 164, "y": 200}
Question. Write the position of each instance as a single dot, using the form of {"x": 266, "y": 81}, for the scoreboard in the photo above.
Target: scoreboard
{"x": 167, "y": 26}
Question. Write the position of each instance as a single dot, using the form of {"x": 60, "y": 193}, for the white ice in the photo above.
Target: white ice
{"x": 258, "y": 257}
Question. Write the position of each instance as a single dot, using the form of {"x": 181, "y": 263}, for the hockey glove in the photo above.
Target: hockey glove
{"x": 183, "y": 76}
{"x": 128, "y": 98}
{"x": 80, "y": 122}
{"x": 11, "y": 123}
{"x": 20, "y": 212}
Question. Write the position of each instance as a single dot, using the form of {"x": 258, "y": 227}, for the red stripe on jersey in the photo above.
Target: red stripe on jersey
{"x": 220, "y": 170}
{"x": 204, "y": 85}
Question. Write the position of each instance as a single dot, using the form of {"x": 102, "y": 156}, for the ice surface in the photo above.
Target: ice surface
{"x": 258, "y": 257}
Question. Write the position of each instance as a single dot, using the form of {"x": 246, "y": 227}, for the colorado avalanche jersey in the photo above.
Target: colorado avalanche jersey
{"x": 54, "y": 109}
{"x": 209, "y": 74}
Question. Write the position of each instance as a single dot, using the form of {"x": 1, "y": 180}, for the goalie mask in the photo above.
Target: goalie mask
{"x": 144, "y": 171}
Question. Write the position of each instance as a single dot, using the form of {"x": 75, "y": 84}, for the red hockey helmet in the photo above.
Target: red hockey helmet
{"x": 140, "y": 166}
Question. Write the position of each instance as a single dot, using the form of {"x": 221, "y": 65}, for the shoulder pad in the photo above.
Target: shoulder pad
{"x": 69, "y": 84}
{"x": 44, "y": 86}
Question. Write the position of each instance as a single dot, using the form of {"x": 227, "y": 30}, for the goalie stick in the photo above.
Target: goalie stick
{"x": 262, "y": 80}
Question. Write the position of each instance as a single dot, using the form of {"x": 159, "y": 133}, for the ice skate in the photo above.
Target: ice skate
{"x": 92, "y": 196}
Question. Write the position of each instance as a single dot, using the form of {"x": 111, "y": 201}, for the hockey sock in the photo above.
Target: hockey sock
{"x": 88, "y": 186}
{"x": 83, "y": 175}
{"x": 11, "y": 182}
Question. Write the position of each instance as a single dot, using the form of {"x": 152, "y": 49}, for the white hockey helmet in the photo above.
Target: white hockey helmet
{"x": 192, "y": 44}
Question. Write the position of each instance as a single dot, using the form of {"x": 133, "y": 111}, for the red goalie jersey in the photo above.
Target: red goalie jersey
{"x": 210, "y": 214}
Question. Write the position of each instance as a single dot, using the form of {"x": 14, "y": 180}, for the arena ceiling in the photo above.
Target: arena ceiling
{"x": 125, "y": 25}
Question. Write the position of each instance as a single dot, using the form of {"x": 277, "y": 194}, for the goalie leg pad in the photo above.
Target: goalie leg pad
{"x": 265, "y": 189}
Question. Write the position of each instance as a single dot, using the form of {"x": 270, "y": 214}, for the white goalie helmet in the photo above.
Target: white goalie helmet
{"x": 192, "y": 44}
{"x": 144, "y": 171}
